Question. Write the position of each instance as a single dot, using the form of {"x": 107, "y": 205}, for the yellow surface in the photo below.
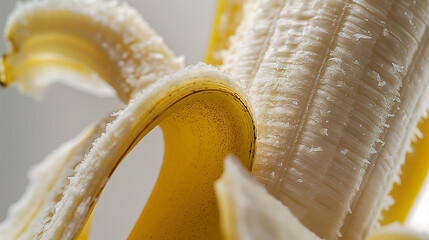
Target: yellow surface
{"x": 414, "y": 172}
{"x": 227, "y": 18}
{"x": 198, "y": 136}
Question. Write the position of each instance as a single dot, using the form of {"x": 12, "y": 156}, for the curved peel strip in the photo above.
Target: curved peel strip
{"x": 204, "y": 118}
{"x": 249, "y": 212}
{"x": 84, "y": 42}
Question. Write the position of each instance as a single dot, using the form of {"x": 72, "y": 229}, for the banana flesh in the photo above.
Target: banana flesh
{"x": 337, "y": 88}
{"x": 248, "y": 212}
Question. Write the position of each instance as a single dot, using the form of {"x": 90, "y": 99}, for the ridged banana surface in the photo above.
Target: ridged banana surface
{"x": 337, "y": 88}
{"x": 319, "y": 99}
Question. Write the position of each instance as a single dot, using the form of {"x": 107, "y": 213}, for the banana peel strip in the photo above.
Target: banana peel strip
{"x": 85, "y": 43}
{"x": 183, "y": 100}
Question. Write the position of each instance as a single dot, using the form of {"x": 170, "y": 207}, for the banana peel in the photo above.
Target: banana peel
{"x": 205, "y": 115}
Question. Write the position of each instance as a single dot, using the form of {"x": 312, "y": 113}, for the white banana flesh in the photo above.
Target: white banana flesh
{"x": 337, "y": 88}
{"x": 248, "y": 212}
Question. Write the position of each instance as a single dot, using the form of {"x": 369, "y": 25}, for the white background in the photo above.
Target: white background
{"x": 30, "y": 129}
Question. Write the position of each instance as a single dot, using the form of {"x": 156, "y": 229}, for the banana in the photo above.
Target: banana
{"x": 334, "y": 90}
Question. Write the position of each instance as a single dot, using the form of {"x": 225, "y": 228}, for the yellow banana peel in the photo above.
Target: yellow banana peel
{"x": 309, "y": 107}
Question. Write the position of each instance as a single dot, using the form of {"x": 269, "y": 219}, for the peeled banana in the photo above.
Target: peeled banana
{"x": 337, "y": 88}
{"x": 318, "y": 98}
